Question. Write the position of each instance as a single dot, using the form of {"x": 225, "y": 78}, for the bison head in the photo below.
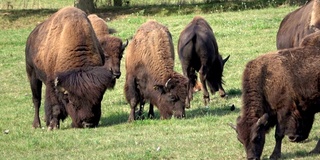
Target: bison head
{"x": 173, "y": 95}
{"x": 113, "y": 49}
{"x": 81, "y": 92}
{"x": 252, "y": 135}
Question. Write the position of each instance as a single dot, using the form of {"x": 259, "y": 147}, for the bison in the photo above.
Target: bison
{"x": 297, "y": 24}
{"x": 280, "y": 89}
{"x": 198, "y": 51}
{"x": 64, "y": 53}
{"x": 150, "y": 76}
{"x": 112, "y": 46}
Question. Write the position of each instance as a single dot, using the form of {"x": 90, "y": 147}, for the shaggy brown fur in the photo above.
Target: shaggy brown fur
{"x": 112, "y": 46}
{"x": 280, "y": 89}
{"x": 64, "y": 53}
{"x": 149, "y": 72}
{"x": 297, "y": 24}
{"x": 99, "y": 25}
{"x": 198, "y": 52}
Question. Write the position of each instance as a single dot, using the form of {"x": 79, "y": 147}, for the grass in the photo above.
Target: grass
{"x": 204, "y": 134}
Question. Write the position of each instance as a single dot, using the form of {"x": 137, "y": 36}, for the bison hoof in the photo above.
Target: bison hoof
{"x": 224, "y": 96}
{"x": 232, "y": 108}
{"x": 315, "y": 151}
{"x": 275, "y": 156}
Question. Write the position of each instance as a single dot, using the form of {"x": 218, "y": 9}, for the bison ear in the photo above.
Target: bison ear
{"x": 58, "y": 86}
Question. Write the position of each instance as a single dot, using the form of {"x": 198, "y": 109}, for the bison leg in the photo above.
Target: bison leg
{"x": 279, "y": 134}
{"x": 140, "y": 112}
{"x": 151, "y": 112}
{"x": 52, "y": 108}
{"x": 316, "y": 150}
{"x": 36, "y": 86}
{"x": 221, "y": 91}
{"x": 132, "y": 96}
{"x": 203, "y": 79}
{"x": 190, "y": 73}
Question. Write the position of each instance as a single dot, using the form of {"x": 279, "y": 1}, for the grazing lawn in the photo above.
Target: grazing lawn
{"x": 203, "y": 134}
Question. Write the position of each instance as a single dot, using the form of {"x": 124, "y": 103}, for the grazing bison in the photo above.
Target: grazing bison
{"x": 112, "y": 46}
{"x": 297, "y": 24}
{"x": 198, "y": 51}
{"x": 280, "y": 89}
{"x": 64, "y": 53}
{"x": 150, "y": 75}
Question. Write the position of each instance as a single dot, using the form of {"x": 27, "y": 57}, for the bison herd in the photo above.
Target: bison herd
{"x": 77, "y": 58}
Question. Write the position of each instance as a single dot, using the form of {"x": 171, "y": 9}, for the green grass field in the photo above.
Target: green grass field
{"x": 204, "y": 134}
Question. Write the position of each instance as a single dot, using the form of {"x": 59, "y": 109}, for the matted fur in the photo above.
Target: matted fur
{"x": 297, "y": 24}
{"x": 280, "y": 88}
{"x": 149, "y": 72}
{"x": 99, "y": 25}
{"x": 65, "y": 45}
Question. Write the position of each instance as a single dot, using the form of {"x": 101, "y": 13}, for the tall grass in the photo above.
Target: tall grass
{"x": 204, "y": 134}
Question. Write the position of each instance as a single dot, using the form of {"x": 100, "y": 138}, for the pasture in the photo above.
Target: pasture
{"x": 204, "y": 134}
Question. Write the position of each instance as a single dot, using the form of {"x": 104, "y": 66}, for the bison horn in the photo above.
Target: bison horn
{"x": 166, "y": 85}
{"x": 263, "y": 120}
{"x": 60, "y": 89}
{"x": 225, "y": 60}
{"x": 124, "y": 45}
{"x": 233, "y": 126}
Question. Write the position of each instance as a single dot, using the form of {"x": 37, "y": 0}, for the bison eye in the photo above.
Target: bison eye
{"x": 173, "y": 98}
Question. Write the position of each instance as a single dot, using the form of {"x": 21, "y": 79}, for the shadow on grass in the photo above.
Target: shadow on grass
{"x": 13, "y": 15}
{"x": 292, "y": 155}
{"x": 234, "y": 92}
{"x": 114, "y": 119}
{"x": 114, "y": 12}
{"x": 210, "y": 111}
{"x": 122, "y": 117}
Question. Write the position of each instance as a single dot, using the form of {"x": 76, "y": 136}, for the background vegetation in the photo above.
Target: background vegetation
{"x": 204, "y": 134}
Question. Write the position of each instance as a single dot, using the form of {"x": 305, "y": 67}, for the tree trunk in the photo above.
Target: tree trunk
{"x": 85, "y": 5}
{"x": 117, "y": 2}
{"x": 296, "y": 2}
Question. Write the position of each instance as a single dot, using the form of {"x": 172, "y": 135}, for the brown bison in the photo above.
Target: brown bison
{"x": 297, "y": 24}
{"x": 150, "y": 75}
{"x": 198, "y": 51}
{"x": 112, "y": 46}
{"x": 64, "y": 53}
{"x": 280, "y": 89}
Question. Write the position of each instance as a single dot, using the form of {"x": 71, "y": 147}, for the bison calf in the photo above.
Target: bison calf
{"x": 150, "y": 75}
{"x": 280, "y": 89}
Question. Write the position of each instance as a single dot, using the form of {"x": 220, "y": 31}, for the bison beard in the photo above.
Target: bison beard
{"x": 280, "y": 89}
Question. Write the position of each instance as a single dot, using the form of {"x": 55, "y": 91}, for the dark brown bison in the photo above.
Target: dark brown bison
{"x": 198, "y": 51}
{"x": 150, "y": 75}
{"x": 280, "y": 89}
{"x": 297, "y": 24}
{"x": 64, "y": 53}
{"x": 112, "y": 46}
